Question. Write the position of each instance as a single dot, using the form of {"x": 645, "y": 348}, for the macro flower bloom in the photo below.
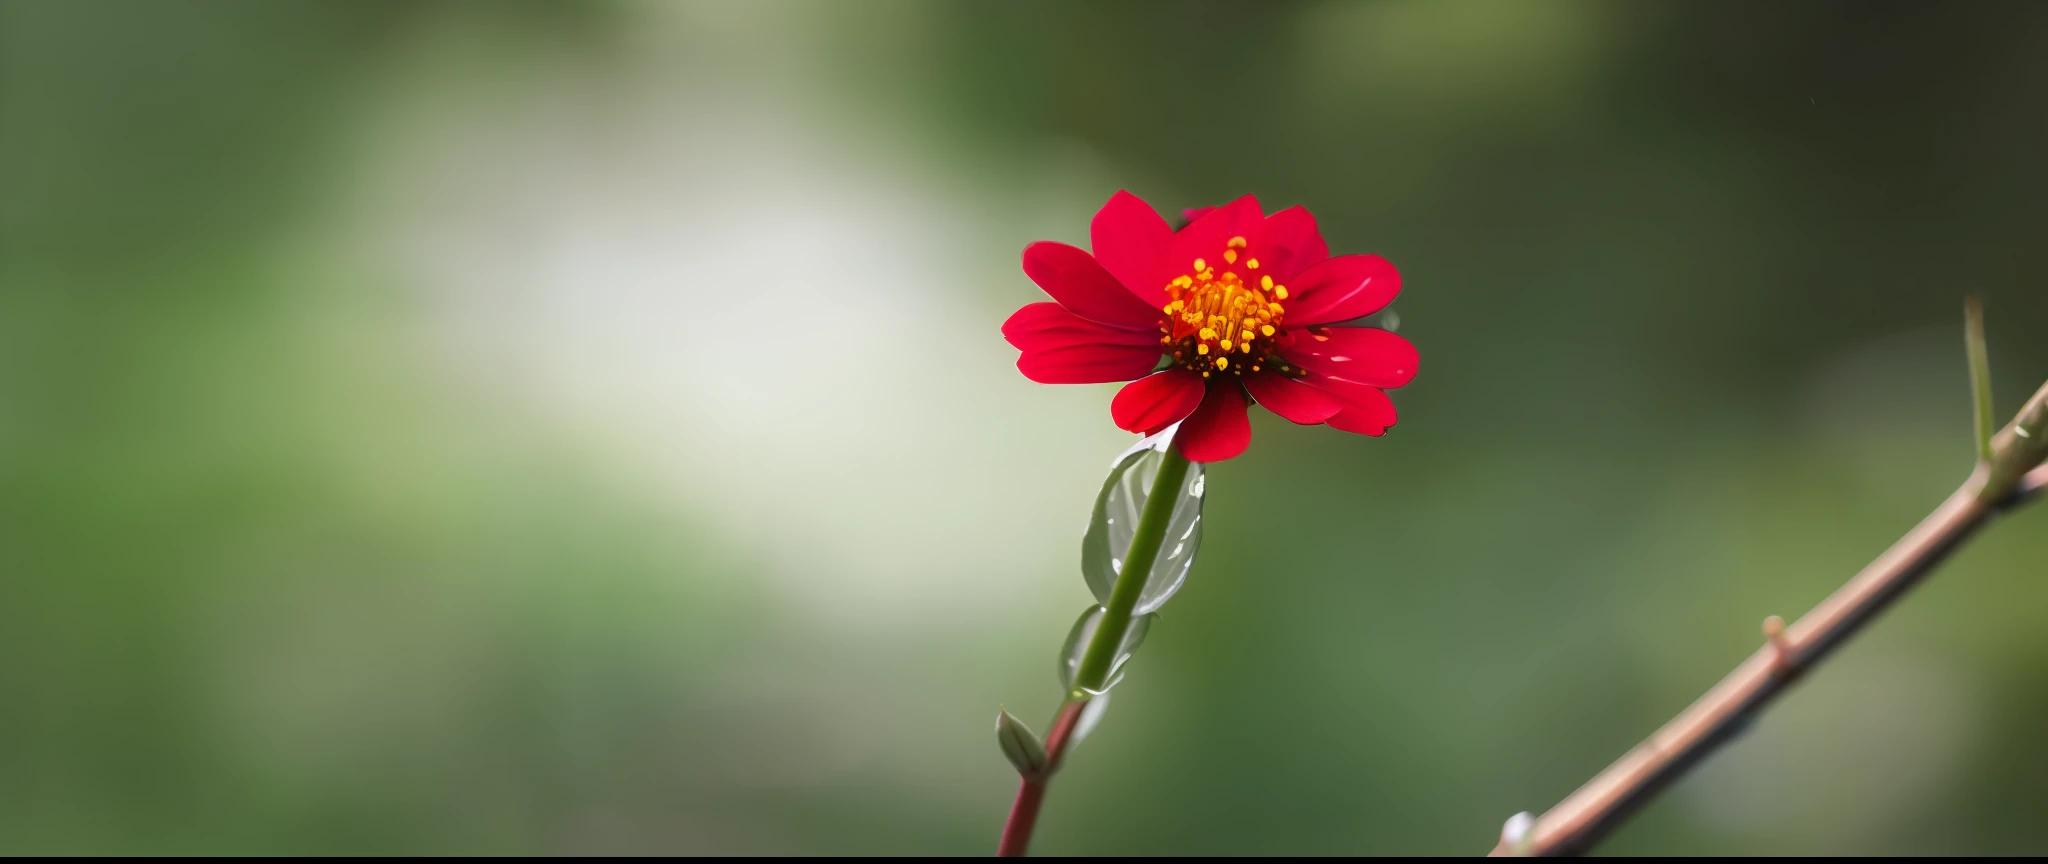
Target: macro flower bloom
{"x": 1237, "y": 304}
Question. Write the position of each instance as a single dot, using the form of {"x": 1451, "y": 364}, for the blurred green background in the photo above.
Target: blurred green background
{"x": 550, "y": 428}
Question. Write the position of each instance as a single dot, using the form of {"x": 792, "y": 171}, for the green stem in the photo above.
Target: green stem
{"x": 1130, "y": 581}
{"x": 1980, "y": 374}
{"x": 1101, "y": 656}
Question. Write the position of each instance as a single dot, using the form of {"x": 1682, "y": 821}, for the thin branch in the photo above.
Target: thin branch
{"x": 2011, "y": 478}
{"x": 1031, "y": 790}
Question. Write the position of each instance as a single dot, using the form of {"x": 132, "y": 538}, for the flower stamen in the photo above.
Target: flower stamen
{"x": 1221, "y": 312}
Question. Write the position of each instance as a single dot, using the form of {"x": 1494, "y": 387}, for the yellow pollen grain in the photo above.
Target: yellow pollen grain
{"x": 1246, "y": 336}
{"x": 1202, "y": 349}
{"x": 1226, "y": 344}
{"x": 1207, "y": 333}
{"x": 1266, "y": 282}
{"x": 1246, "y": 347}
{"x": 1222, "y": 362}
{"x": 1230, "y": 256}
{"x": 1280, "y": 291}
{"x": 1235, "y": 243}
{"x": 1201, "y": 264}
{"x": 1252, "y": 264}
{"x": 1266, "y": 329}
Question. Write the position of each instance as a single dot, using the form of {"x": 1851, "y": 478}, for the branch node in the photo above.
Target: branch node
{"x": 1781, "y": 647}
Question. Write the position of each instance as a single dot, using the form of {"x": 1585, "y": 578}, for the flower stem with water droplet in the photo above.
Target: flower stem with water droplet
{"x": 1096, "y": 665}
{"x": 1137, "y": 566}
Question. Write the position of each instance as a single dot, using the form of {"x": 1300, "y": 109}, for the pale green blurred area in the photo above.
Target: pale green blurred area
{"x": 549, "y": 428}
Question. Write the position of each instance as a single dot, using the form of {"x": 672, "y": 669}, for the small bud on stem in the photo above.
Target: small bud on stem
{"x": 1020, "y": 744}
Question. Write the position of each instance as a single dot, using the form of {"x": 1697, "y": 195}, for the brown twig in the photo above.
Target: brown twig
{"x": 2012, "y": 477}
{"x": 1031, "y": 790}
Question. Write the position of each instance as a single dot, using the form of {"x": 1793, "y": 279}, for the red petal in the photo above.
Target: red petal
{"x": 1367, "y": 409}
{"x": 1219, "y": 429}
{"x": 1340, "y": 289}
{"x": 1291, "y": 243}
{"x": 1044, "y": 326}
{"x": 1363, "y": 354}
{"x": 1190, "y": 215}
{"x": 1078, "y": 282}
{"x": 1156, "y": 401}
{"x": 1087, "y": 364}
{"x": 1206, "y": 236}
{"x": 1361, "y": 422}
{"x": 1131, "y": 241}
{"x": 1297, "y": 402}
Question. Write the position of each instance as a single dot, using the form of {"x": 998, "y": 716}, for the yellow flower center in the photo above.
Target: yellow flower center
{"x": 1221, "y": 320}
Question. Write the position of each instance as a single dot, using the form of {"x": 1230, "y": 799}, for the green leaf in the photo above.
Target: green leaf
{"x": 1075, "y": 649}
{"x": 1115, "y": 521}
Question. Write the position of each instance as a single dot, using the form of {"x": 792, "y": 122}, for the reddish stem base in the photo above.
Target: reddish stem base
{"x": 1023, "y": 817}
{"x": 1031, "y": 792}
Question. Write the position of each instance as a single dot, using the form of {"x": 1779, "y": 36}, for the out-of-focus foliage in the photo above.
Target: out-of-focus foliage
{"x": 550, "y": 428}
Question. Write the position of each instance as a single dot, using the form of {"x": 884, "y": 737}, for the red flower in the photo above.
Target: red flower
{"x": 1237, "y": 302}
